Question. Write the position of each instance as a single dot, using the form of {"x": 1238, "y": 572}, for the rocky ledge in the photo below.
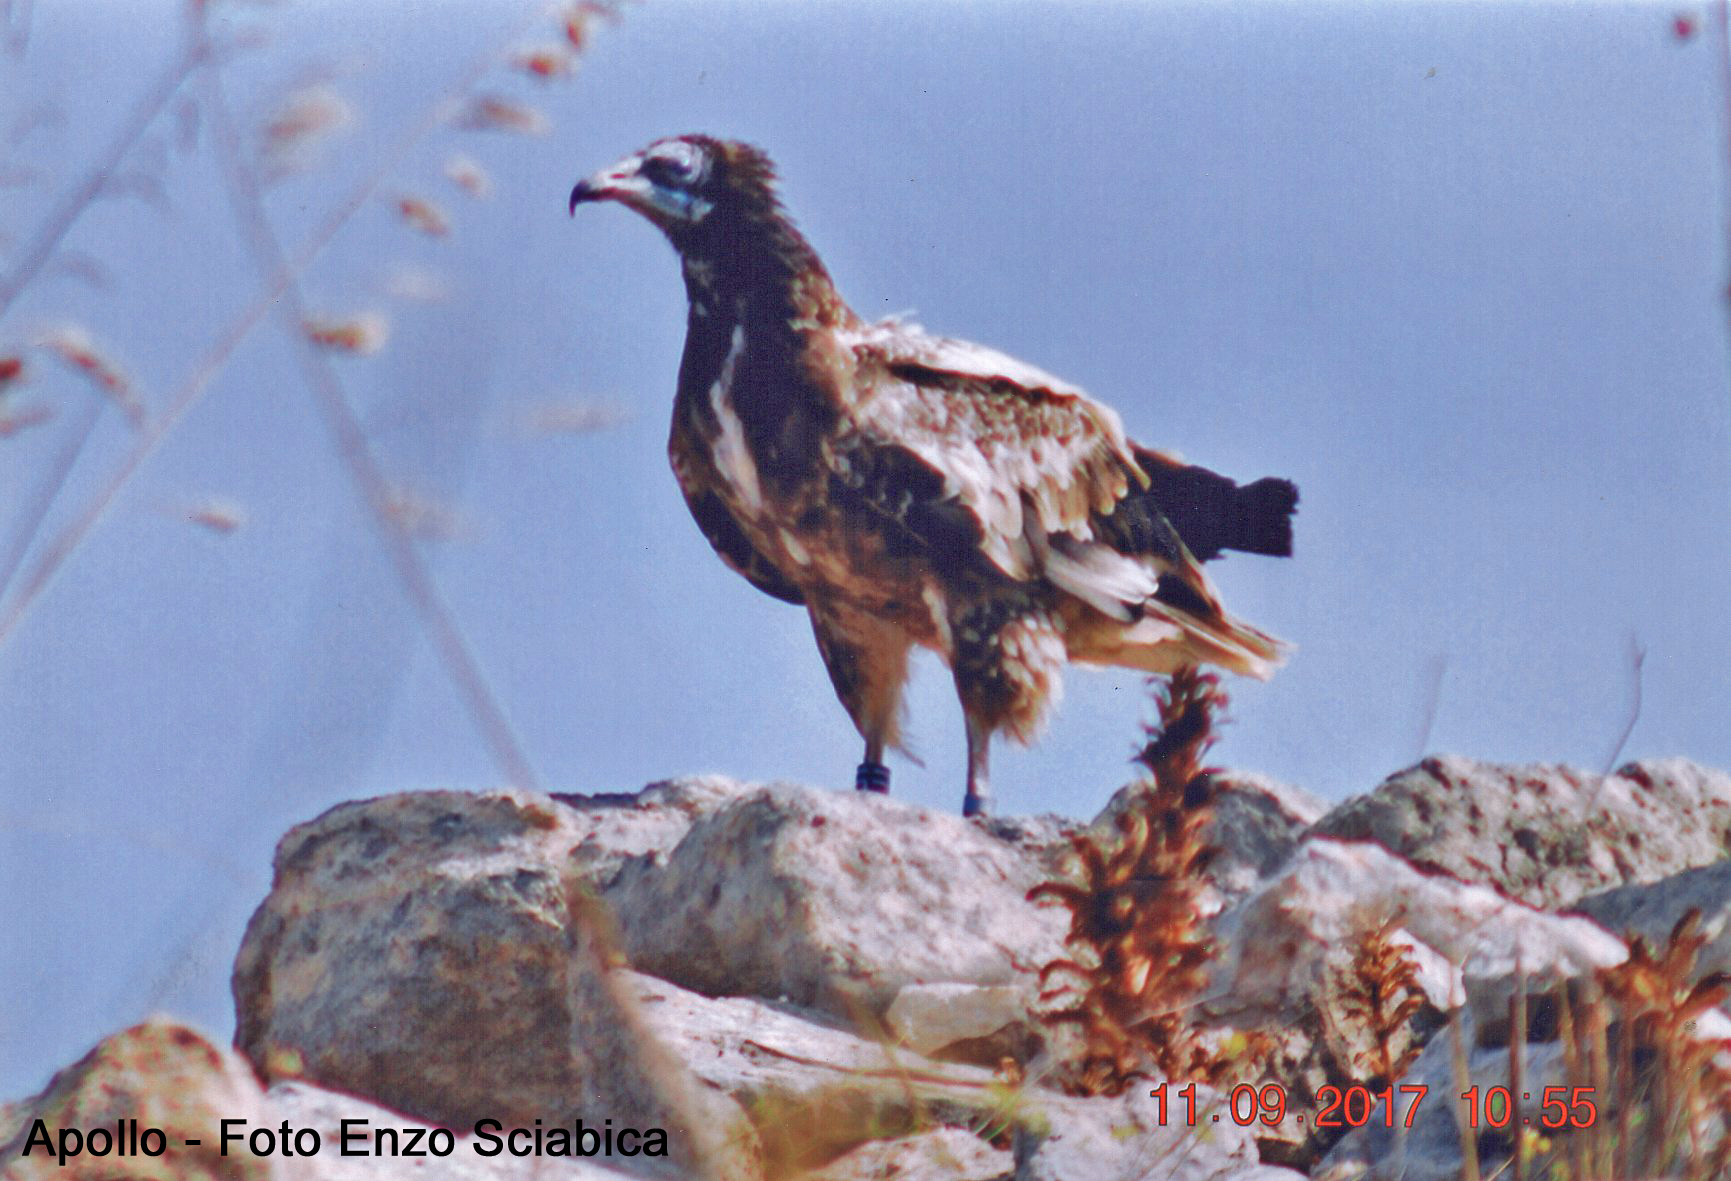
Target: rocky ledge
{"x": 721, "y": 980}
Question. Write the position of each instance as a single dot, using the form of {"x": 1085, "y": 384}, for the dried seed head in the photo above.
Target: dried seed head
{"x": 581, "y": 18}
{"x": 469, "y": 176}
{"x": 74, "y": 345}
{"x": 306, "y": 118}
{"x": 422, "y": 517}
{"x": 360, "y": 335}
{"x": 424, "y": 216}
{"x": 13, "y": 422}
{"x": 546, "y": 62}
{"x": 491, "y": 113}
{"x": 219, "y": 516}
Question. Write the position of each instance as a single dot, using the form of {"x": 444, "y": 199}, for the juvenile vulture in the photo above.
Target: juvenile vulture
{"x": 907, "y": 489}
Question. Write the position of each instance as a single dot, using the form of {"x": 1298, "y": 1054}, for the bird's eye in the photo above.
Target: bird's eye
{"x": 670, "y": 169}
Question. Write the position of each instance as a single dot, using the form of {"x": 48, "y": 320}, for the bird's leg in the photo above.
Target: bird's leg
{"x": 978, "y": 801}
{"x": 1007, "y": 654}
{"x": 873, "y": 775}
{"x": 867, "y": 660}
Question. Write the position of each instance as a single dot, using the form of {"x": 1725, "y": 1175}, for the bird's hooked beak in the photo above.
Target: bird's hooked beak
{"x": 665, "y": 205}
{"x": 617, "y": 182}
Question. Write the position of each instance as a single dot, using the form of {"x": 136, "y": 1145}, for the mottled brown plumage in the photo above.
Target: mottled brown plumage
{"x": 907, "y": 489}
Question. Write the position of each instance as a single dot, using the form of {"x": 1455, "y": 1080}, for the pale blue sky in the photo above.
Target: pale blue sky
{"x": 1456, "y": 270}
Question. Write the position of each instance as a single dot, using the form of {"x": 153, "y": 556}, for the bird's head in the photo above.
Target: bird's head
{"x": 686, "y": 181}
{"x": 716, "y": 201}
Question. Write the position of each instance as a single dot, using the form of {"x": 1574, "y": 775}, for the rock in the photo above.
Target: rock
{"x": 162, "y": 1074}
{"x": 306, "y": 1106}
{"x": 1546, "y": 835}
{"x": 168, "y": 1076}
{"x": 763, "y": 1052}
{"x": 1285, "y": 974}
{"x": 1430, "y": 1150}
{"x": 426, "y": 951}
{"x": 616, "y": 827}
{"x": 1070, "y": 1139}
{"x": 932, "y": 1018}
{"x": 826, "y": 983}
{"x": 1044, "y": 837}
{"x": 416, "y": 949}
{"x": 1652, "y": 911}
{"x": 1332, "y": 892}
{"x": 1256, "y": 824}
{"x": 834, "y": 900}
{"x": 943, "y": 1154}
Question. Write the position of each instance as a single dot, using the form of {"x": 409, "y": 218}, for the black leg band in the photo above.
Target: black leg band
{"x": 873, "y": 777}
{"x": 973, "y": 805}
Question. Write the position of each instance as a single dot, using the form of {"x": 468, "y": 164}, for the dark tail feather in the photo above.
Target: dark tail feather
{"x": 1262, "y": 517}
{"x": 1213, "y": 513}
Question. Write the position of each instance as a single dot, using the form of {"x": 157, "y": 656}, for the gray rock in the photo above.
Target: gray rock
{"x": 1123, "y": 1139}
{"x": 432, "y": 952}
{"x": 416, "y": 949}
{"x": 1546, "y": 835}
{"x": 765, "y": 1053}
{"x": 1331, "y": 893}
{"x": 929, "y": 1017}
{"x": 161, "y": 1073}
{"x": 306, "y": 1106}
{"x": 1256, "y": 825}
{"x": 943, "y": 1154}
{"x": 1284, "y": 970}
{"x": 1430, "y": 1150}
{"x": 834, "y": 900}
{"x": 616, "y": 827}
{"x": 1653, "y": 910}
{"x": 1044, "y": 837}
{"x": 168, "y": 1076}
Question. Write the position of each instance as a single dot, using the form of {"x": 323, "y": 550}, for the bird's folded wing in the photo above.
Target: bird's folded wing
{"x": 970, "y": 449}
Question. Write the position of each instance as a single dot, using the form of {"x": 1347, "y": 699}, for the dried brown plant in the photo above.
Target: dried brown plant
{"x": 1673, "y": 1089}
{"x": 1380, "y": 992}
{"x": 1138, "y": 946}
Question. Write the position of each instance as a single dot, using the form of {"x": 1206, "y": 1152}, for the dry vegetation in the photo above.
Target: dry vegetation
{"x": 1135, "y": 924}
{"x": 1663, "y": 1091}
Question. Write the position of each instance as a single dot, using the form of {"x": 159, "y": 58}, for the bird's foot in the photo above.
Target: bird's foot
{"x": 973, "y": 805}
{"x": 872, "y": 777}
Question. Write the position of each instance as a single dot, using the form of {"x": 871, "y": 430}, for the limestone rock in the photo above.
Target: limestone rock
{"x": 431, "y": 952}
{"x": 835, "y": 900}
{"x": 416, "y": 949}
{"x": 161, "y": 1073}
{"x": 306, "y": 1106}
{"x": 1652, "y": 911}
{"x": 1256, "y": 825}
{"x": 615, "y": 827}
{"x": 943, "y": 1154}
{"x": 1333, "y": 891}
{"x": 763, "y": 1052}
{"x": 1284, "y": 969}
{"x": 1430, "y": 1150}
{"x": 1123, "y": 1139}
{"x": 933, "y": 1018}
{"x": 168, "y": 1076}
{"x": 1545, "y": 834}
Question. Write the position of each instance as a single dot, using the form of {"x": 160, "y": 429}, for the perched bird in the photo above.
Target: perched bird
{"x": 907, "y": 489}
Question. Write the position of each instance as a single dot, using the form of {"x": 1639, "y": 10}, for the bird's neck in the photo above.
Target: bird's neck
{"x": 762, "y": 273}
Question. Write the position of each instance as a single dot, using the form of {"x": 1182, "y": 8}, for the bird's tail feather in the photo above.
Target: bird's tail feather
{"x": 1262, "y": 517}
{"x": 1213, "y": 513}
{"x": 1165, "y": 638}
